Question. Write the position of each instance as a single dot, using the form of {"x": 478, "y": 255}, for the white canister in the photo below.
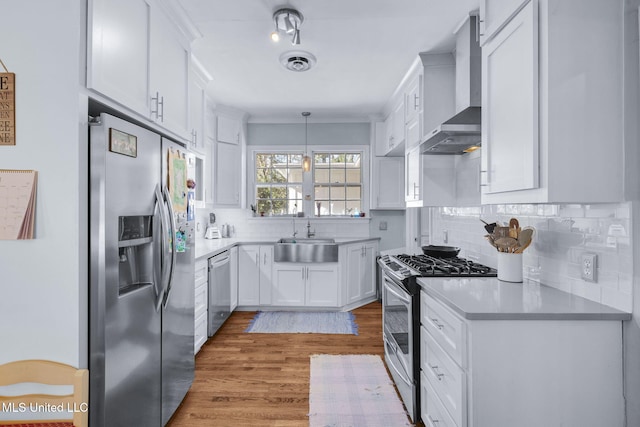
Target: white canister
{"x": 510, "y": 267}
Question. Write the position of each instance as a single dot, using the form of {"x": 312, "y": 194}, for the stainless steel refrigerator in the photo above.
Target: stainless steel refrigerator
{"x": 141, "y": 357}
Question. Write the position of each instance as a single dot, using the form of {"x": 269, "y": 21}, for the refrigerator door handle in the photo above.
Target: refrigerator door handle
{"x": 160, "y": 284}
{"x": 172, "y": 222}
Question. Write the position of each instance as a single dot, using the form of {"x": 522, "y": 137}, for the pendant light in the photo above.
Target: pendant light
{"x": 306, "y": 160}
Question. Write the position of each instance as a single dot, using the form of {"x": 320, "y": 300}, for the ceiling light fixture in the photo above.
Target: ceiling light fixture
{"x": 306, "y": 160}
{"x": 287, "y": 21}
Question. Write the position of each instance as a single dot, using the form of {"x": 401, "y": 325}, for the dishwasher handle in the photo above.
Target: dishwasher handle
{"x": 219, "y": 260}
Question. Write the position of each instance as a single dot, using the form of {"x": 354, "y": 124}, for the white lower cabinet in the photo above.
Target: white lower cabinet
{"x": 433, "y": 411}
{"x": 305, "y": 285}
{"x": 525, "y": 373}
{"x": 255, "y": 264}
{"x": 359, "y": 261}
{"x": 200, "y": 308}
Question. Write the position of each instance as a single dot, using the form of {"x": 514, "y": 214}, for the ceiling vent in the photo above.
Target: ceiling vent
{"x": 297, "y": 60}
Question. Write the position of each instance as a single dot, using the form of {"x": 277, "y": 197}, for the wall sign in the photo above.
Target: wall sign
{"x": 7, "y": 107}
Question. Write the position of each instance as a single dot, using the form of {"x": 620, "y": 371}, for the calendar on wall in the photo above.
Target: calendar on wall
{"x": 17, "y": 204}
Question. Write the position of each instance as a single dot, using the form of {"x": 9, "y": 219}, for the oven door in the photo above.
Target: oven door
{"x": 398, "y": 343}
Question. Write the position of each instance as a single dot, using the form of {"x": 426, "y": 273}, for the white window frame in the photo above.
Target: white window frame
{"x": 308, "y": 206}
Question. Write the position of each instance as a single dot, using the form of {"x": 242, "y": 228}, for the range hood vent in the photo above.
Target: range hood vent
{"x": 461, "y": 133}
{"x": 458, "y": 135}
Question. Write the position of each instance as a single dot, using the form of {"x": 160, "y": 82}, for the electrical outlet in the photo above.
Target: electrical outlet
{"x": 589, "y": 267}
{"x": 383, "y": 225}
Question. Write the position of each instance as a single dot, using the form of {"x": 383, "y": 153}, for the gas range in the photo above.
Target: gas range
{"x": 404, "y": 266}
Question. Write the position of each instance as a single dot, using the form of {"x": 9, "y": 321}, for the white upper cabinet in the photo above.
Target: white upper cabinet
{"x": 138, "y": 58}
{"x": 552, "y": 102}
{"x": 199, "y": 78}
{"x": 227, "y": 175}
{"x": 510, "y": 98}
{"x": 118, "y": 51}
{"x": 169, "y": 82}
{"x": 413, "y": 177}
{"x": 228, "y": 129}
{"x": 494, "y": 14}
{"x": 388, "y": 183}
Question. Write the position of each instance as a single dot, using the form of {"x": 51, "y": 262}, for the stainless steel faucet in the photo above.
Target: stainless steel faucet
{"x": 293, "y": 220}
{"x": 309, "y": 232}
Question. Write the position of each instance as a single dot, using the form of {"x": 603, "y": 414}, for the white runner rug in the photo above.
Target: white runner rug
{"x": 353, "y": 391}
{"x": 300, "y": 322}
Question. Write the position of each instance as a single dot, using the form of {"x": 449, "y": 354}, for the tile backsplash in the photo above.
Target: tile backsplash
{"x": 248, "y": 226}
{"x": 563, "y": 234}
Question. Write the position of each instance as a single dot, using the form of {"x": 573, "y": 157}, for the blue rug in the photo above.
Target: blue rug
{"x": 303, "y": 322}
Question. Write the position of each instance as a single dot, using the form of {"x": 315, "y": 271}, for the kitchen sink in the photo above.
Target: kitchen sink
{"x": 293, "y": 249}
{"x": 311, "y": 240}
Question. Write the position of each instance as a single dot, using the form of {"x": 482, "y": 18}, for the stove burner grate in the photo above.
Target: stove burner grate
{"x": 426, "y": 265}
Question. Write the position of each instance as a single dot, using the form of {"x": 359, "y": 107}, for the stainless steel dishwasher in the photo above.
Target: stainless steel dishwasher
{"x": 219, "y": 291}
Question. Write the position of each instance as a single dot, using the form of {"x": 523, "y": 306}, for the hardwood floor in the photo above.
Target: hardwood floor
{"x": 262, "y": 380}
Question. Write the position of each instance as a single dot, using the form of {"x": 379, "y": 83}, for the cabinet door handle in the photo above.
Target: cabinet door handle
{"x": 264, "y": 261}
{"x": 440, "y": 326}
{"x": 415, "y": 190}
{"x": 159, "y": 111}
{"x": 436, "y": 372}
{"x": 432, "y": 421}
{"x": 416, "y": 101}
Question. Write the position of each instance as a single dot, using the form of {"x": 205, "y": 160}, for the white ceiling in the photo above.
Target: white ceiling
{"x": 363, "y": 49}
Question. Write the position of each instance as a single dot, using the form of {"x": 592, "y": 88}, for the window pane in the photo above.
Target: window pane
{"x": 337, "y": 159}
{"x": 295, "y": 175}
{"x": 337, "y": 175}
{"x": 338, "y": 193}
{"x": 264, "y": 206}
{"x": 263, "y": 160}
{"x": 295, "y": 159}
{"x": 353, "y": 205}
{"x": 279, "y": 159}
{"x": 321, "y": 158}
{"x": 321, "y": 175}
{"x": 354, "y": 192}
{"x": 263, "y": 175}
{"x": 337, "y": 208}
{"x": 353, "y": 175}
{"x": 279, "y": 174}
{"x": 321, "y": 192}
{"x": 353, "y": 160}
{"x": 263, "y": 192}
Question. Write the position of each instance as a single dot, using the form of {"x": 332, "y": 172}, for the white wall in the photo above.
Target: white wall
{"x": 43, "y": 282}
{"x": 317, "y": 134}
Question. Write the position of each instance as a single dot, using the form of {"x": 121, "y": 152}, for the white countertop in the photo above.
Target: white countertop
{"x": 492, "y": 299}
{"x": 209, "y": 247}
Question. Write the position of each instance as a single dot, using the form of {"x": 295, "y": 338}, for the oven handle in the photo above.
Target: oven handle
{"x": 392, "y": 288}
{"x": 390, "y": 360}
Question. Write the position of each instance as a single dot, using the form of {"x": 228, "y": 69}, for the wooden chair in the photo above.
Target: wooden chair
{"x": 52, "y": 373}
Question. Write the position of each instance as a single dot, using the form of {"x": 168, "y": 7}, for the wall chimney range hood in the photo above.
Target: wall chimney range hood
{"x": 461, "y": 133}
